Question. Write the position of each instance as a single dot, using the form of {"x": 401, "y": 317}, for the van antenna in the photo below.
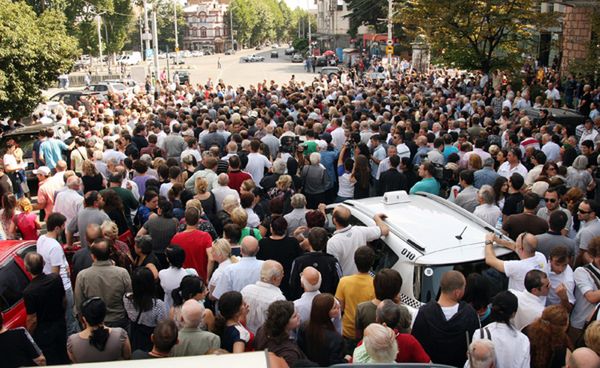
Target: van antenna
{"x": 459, "y": 236}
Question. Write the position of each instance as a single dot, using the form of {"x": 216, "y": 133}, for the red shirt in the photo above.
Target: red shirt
{"x": 409, "y": 349}
{"x": 194, "y": 243}
{"x": 236, "y": 178}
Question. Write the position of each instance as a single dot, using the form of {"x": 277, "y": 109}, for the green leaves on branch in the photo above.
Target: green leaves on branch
{"x": 476, "y": 34}
{"x": 34, "y": 50}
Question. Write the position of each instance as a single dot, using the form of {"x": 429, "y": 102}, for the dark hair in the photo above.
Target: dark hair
{"x": 318, "y": 323}
{"x": 175, "y": 255}
{"x": 498, "y": 183}
{"x": 142, "y": 285}
{"x": 90, "y": 198}
{"x": 101, "y": 249}
{"x": 164, "y": 336}
{"x": 144, "y": 242}
{"x": 278, "y": 316}
{"x": 557, "y": 220}
{"x": 387, "y": 284}
{"x": 504, "y": 305}
{"x": 229, "y": 305}
{"x": 531, "y": 201}
{"x": 477, "y": 291}
{"x": 533, "y": 279}
{"x": 364, "y": 257}
{"x": 314, "y": 218}
{"x": 561, "y": 253}
{"x": 55, "y": 220}
{"x": 140, "y": 166}
{"x": 94, "y": 311}
{"x": 232, "y": 232}
{"x": 468, "y": 176}
{"x": 317, "y": 238}
{"x": 34, "y": 263}
{"x": 279, "y": 226}
{"x": 149, "y": 195}
{"x": 192, "y": 216}
{"x": 246, "y": 199}
{"x": 517, "y": 181}
{"x": 394, "y": 161}
{"x": 166, "y": 208}
{"x": 112, "y": 201}
{"x": 189, "y": 286}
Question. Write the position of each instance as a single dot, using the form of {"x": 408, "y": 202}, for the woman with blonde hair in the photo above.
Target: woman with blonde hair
{"x": 27, "y": 222}
{"x": 220, "y": 252}
{"x": 239, "y": 216}
{"x": 283, "y": 189}
{"x": 206, "y": 197}
{"x": 548, "y": 338}
{"x": 230, "y": 202}
{"x": 92, "y": 179}
{"x": 248, "y": 185}
{"x": 120, "y": 252}
{"x": 474, "y": 162}
{"x": 203, "y": 224}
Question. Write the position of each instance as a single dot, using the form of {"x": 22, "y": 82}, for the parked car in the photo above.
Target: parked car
{"x": 274, "y": 54}
{"x": 71, "y": 98}
{"x": 274, "y": 46}
{"x": 230, "y": 52}
{"x": 321, "y": 61}
{"x": 13, "y": 281}
{"x": 565, "y": 117}
{"x": 131, "y": 59}
{"x": 107, "y": 87}
{"x": 184, "y": 76}
{"x": 330, "y": 71}
{"x": 197, "y": 53}
{"x": 259, "y": 47}
{"x": 420, "y": 255}
{"x": 297, "y": 58}
{"x": 253, "y": 59}
{"x": 289, "y": 51}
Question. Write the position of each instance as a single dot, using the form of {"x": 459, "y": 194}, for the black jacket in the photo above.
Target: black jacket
{"x": 391, "y": 180}
{"x": 325, "y": 263}
{"x": 445, "y": 341}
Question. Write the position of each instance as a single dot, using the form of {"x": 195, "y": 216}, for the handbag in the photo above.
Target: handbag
{"x": 139, "y": 335}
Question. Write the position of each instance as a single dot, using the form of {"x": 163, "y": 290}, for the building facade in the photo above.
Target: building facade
{"x": 332, "y": 23}
{"x": 207, "y": 27}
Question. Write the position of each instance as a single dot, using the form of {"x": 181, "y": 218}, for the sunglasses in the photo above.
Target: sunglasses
{"x": 582, "y": 211}
{"x": 551, "y": 200}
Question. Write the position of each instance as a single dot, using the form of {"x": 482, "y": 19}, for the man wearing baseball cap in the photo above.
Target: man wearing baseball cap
{"x": 46, "y": 191}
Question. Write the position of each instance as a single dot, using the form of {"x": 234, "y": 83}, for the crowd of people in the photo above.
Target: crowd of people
{"x": 194, "y": 221}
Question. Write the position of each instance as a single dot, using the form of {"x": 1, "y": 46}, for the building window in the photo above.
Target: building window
{"x": 217, "y": 32}
{"x": 203, "y": 32}
{"x": 202, "y": 17}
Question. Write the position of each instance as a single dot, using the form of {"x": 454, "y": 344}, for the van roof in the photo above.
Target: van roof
{"x": 431, "y": 225}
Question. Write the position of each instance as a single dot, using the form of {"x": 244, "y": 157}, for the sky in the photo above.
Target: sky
{"x": 301, "y": 3}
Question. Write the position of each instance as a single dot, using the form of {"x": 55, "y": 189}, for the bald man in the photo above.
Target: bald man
{"x": 525, "y": 246}
{"x": 260, "y": 295}
{"x": 82, "y": 259}
{"x": 193, "y": 340}
{"x": 482, "y": 354}
{"x": 246, "y": 272}
{"x": 348, "y": 238}
{"x": 222, "y": 190}
{"x": 583, "y": 358}
{"x": 310, "y": 279}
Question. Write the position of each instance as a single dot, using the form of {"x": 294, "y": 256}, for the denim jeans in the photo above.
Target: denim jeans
{"x": 72, "y": 324}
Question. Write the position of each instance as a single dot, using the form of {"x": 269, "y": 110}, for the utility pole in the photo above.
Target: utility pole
{"x": 176, "y": 38}
{"x": 155, "y": 53}
{"x": 231, "y": 24}
{"x": 142, "y": 39}
{"x": 99, "y": 37}
{"x": 146, "y": 29}
{"x": 390, "y": 41}
{"x": 309, "y": 31}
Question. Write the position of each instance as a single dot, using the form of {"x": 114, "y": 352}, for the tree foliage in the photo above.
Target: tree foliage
{"x": 258, "y": 21}
{"x": 367, "y": 12}
{"x": 30, "y": 59}
{"x": 476, "y": 34}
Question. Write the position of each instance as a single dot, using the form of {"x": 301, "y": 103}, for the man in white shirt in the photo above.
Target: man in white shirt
{"x": 245, "y": 272}
{"x": 260, "y": 295}
{"x": 347, "y": 238}
{"x": 191, "y": 150}
{"x": 587, "y": 290}
{"x": 550, "y": 148}
{"x": 209, "y": 173}
{"x": 69, "y": 201}
{"x": 257, "y": 163}
{"x": 562, "y": 282}
{"x": 384, "y": 165}
{"x": 378, "y": 155}
{"x": 552, "y": 94}
{"x": 532, "y": 300}
{"x": 56, "y": 262}
{"x": 338, "y": 136}
{"x": 512, "y": 164}
{"x": 487, "y": 209}
{"x": 222, "y": 190}
{"x": 310, "y": 279}
{"x": 529, "y": 259}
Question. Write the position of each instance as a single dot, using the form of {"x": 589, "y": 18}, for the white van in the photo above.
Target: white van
{"x": 131, "y": 59}
{"x": 428, "y": 237}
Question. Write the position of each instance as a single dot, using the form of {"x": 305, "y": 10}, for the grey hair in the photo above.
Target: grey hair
{"x": 307, "y": 286}
{"x": 487, "y": 194}
{"x": 269, "y": 270}
{"x": 380, "y": 343}
{"x": 315, "y": 158}
{"x": 279, "y": 166}
{"x": 298, "y": 201}
{"x": 482, "y": 354}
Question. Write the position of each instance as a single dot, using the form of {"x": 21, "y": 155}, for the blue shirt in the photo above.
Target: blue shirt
{"x": 238, "y": 275}
{"x": 448, "y": 150}
{"x": 429, "y": 185}
{"x": 328, "y": 159}
{"x": 485, "y": 176}
{"x": 422, "y": 151}
{"x": 52, "y": 151}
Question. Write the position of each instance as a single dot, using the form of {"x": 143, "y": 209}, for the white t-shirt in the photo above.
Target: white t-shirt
{"x": 54, "y": 256}
{"x": 170, "y": 279}
{"x": 256, "y": 166}
{"x": 516, "y": 270}
{"x": 449, "y": 312}
{"x": 567, "y": 278}
{"x": 346, "y": 241}
{"x": 346, "y": 189}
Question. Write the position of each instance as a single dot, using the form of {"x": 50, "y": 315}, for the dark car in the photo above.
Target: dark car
{"x": 297, "y": 58}
{"x": 73, "y": 98}
{"x": 274, "y": 54}
{"x": 565, "y": 117}
{"x": 321, "y": 61}
{"x": 184, "y": 76}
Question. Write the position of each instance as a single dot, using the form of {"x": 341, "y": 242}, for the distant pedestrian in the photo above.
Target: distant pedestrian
{"x": 314, "y": 64}
{"x": 219, "y": 63}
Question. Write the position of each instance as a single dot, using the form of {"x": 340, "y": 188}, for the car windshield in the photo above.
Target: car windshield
{"x": 24, "y": 141}
{"x": 12, "y": 283}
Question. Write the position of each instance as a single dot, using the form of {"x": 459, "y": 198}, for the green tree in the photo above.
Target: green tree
{"x": 476, "y": 34}
{"x": 367, "y": 12}
{"x": 30, "y": 59}
{"x": 117, "y": 25}
{"x": 244, "y": 19}
{"x": 166, "y": 27}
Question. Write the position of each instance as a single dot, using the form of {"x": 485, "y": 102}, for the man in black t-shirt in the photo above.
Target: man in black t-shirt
{"x": 18, "y": 349}
{"x": 163, "y": 339}
{"x": 45, "y": 305}
{"x": 325, "y": 263}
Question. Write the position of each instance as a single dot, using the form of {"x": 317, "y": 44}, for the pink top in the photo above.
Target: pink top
{"x": 26, "y": 224}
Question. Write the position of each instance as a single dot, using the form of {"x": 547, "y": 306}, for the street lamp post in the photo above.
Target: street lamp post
{"x": 176, "y": 36}
{"x": 155, "y": 53}
{"x": 231, "y": 24}
{"x": 99, "y": 37}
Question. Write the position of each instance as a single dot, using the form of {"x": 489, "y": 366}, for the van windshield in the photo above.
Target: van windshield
{"x": 427, "y": 278}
